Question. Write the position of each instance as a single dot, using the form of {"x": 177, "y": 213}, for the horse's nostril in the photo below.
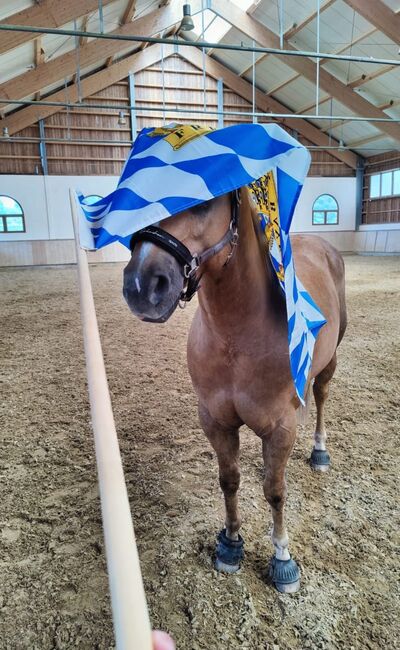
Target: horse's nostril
{"x": 160, "y": 286}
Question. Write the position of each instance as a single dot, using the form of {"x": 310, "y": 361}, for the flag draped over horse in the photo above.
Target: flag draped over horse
{"x": 174, "y": 168}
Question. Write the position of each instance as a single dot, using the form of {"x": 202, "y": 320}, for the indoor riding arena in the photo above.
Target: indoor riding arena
{"x": 79, "y": 80}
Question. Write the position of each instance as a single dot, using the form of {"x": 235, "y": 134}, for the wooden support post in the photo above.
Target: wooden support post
{"x": 359, "y": 191}
{"x": 128, "y": 601}
{"x": 220, "y": 102}
{"x": 42, "y": 148}
{"x": 132, "y": 102}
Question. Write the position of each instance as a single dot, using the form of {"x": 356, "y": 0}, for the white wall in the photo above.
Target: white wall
{"x": 344, "y": 191}
{"x": 45, "y": 201}
{"x": 49, "y": 233}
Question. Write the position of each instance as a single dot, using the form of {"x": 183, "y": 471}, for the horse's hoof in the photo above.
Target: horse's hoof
{"x": 229, "y": 553}
{"x": 285, "y": 574}
{"x": 320, "y": 460}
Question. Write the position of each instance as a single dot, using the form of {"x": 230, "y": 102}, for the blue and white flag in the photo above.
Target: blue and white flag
{"x": 171, "y": 169}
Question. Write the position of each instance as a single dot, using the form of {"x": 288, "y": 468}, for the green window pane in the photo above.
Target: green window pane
{"x": 396, "y": 181}
{"x": 15, "y": 224}
{"x": 9, "y": 206}
{"x": 386, "y": 184}
{"x": 331, "y": 217}
{"x": 1, "y": 224}
{"x": 318, "y": 218}
{"x": 325, "y": 202}
{"x": 92, "y": 198}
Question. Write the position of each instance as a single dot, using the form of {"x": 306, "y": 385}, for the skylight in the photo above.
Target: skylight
{"x": 214, "y": 26}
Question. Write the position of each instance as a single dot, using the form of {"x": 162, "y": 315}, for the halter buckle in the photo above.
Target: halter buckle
{"x": 190, "y": 269}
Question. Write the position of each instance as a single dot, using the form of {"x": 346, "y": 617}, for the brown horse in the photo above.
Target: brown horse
{"x": 238, "y": 347}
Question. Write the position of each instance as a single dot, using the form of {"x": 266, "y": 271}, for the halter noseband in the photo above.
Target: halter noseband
{"x": 191, "y": 263}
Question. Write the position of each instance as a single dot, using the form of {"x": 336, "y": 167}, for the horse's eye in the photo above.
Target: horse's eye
{"x": 201, "y": 209}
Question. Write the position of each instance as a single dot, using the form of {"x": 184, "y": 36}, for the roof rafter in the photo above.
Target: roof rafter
{"x": 91, "y": 53}
{"x": 305, "y": 66}
{"x": 379, "y": 15}
{"x": 126, "y": 18}
{"x": 47, "y": 13}
{"x": 92, "y": 84}
{"x": 245, "y": 89}
{"x": 298, "y": 27}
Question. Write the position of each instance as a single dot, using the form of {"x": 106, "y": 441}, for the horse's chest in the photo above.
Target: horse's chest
{"x": 240, "y": 382}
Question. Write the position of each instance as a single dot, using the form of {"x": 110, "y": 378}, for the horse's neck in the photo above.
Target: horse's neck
{"x": 245, "y": 289}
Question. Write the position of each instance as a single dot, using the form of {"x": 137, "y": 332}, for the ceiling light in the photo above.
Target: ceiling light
{"x": 187, "y": 23}
{"x": 6, "y": 133}
{"x": 121, "y": 118}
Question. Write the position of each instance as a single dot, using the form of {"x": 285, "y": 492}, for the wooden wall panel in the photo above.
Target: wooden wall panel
{"x": 173, "y": 83}
{"x": 21, "y": 157}
{"x": 385, "y": 210}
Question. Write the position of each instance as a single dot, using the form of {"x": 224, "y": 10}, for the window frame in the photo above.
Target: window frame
{"x": 383, "y": 196}
{"x": 4, "y": 218}
{"x": 325, "y": 212}
{"x": 90, "y": 195}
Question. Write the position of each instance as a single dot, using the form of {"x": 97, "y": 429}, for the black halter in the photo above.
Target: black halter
{"x": 191, "y": 263}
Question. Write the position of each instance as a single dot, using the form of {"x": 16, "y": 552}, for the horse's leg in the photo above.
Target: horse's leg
{"x": 225, "y": 442}
{"x": 320, "y": 459}
{"x": 277, "y": 446}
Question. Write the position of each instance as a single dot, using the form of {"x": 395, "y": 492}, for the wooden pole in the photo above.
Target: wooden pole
{"x": 128, "y": 600}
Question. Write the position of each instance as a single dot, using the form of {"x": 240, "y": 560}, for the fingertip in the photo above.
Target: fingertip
{"x": 162, "y": 641}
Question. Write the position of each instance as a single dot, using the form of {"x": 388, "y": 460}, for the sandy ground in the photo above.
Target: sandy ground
{"x": 343, "y": 525}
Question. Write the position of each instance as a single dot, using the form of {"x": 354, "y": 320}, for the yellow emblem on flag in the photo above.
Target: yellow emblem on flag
{"x": 179, "y": 134}
{"x": 265, "y": 197}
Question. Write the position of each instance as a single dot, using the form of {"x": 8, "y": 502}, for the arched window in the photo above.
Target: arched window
{"x": 11, "y": 215}
{"x": 92, "y": 198}
{"x": 325, "y": 211}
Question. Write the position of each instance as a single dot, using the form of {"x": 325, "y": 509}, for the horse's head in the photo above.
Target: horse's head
{"x": 156, "y": 279}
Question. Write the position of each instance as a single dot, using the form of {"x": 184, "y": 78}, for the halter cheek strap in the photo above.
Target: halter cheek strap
{"x": 191, "y": 263}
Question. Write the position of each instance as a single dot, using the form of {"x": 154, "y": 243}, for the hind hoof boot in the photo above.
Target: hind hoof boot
{"x": 320, "y": 460}
{"x": 229, "y": 553}
{"x": 285, "y": 575}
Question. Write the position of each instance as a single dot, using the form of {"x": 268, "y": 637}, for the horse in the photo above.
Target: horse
{"x": 237, "y": 348}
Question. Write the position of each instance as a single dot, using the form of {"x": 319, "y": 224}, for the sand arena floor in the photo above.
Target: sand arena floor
{"x": 343, "y": 525}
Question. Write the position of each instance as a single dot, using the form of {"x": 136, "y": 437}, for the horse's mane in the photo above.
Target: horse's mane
{"x": 248, "y": 203}
{"x": 262, "y": 242}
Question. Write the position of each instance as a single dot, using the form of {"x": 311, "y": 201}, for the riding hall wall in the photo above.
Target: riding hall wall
{"x": 95, "y": 167}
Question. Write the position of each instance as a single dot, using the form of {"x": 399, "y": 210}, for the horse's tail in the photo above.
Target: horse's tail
{"x": 303, "y": 412}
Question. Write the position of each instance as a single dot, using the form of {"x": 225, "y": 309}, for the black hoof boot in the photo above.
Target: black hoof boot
{"x": 229, "y": 553}
{"x": 285, "y": 574}
{"x": 320, "y": 460}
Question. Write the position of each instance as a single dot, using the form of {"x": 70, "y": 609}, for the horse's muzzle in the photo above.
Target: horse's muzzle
{"x": 152, "y": 288}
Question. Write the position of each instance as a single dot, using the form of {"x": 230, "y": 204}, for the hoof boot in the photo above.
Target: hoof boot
{"x": 229, "y": 553}
{"x": 285, "y": 574}
{"x": 320, "y": 460}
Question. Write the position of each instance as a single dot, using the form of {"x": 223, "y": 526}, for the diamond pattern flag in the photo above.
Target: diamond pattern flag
{"x": 173, "y": 168}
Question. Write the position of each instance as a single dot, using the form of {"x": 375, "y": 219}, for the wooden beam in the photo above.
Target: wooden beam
{"x": 92, "y": 84}
{"x": 379, "y": 15}
{"x": 282, "y": 84}
{"x": 359, "y": 143}
{"x": 298, "y": 27}
{"x": 304, "y": 66}
{"x": 63, "y": 66}
{"x": 126, "y": 18}
{"x": 39, "y": 57}
{"x": 129, "y": 12}
{"x": 265, "y": 103}
{"x": 84, "y": 39}
{"x": 47, "y": 13}
{"x": 365, "y": 78}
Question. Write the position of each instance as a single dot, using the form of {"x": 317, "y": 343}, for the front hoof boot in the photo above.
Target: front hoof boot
{"x": 320, "y": 460}
{"x": 285, "y": 574}
{"x": 229, "y": 553}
